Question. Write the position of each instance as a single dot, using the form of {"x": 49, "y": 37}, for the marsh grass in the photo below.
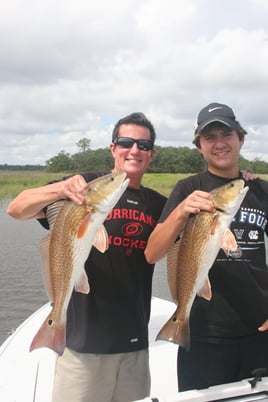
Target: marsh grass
{"x": 162, "y": 182}
{"x": 13, "y": 182}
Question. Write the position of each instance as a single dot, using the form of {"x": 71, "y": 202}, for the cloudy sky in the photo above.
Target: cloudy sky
{"x": 70, "y": 69}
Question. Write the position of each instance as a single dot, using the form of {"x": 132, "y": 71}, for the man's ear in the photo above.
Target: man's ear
{"x": 199, "y": 150}
{"x": 112, "y": 148}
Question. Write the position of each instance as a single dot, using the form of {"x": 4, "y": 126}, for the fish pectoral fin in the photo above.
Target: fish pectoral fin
{"x": 228, "y": 242}
{"x": 84, "y": 226}
{"x": 205, "y": 291}
{"x": 101, "y": 241}
{"x": 82, "y": 285}
{"x": 214, "y": 224}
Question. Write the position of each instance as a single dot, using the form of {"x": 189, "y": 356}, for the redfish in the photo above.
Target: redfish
{"x": 74, "y": 229}
{"x": 190, "y": 259}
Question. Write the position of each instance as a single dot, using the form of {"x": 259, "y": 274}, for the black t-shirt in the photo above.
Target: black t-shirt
{"x": 239, "y": 282}
{"x": 114, "y": 316}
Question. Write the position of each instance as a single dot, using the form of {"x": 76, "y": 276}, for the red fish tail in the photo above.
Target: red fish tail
{"x": 176, "y": 331}
{"x": 50, "y": 336}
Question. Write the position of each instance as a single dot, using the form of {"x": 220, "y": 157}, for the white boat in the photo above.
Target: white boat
{"x": 28, "y": 376}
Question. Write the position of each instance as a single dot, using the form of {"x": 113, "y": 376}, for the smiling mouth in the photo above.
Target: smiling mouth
{"x": 133, "y": 160}
{"x": 220, "y": 153}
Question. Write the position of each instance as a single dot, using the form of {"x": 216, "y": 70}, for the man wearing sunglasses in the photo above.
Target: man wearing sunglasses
{"x": 106, "y": 358}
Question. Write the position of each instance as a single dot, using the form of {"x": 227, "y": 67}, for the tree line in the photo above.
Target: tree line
{"x": 166, "y": 160}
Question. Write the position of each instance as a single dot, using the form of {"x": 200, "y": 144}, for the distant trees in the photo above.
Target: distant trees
{"x": 84, "y": 160}
{"x": 176, "y": 160}
{"x": 166, "y": 160}
{"x": 84, "y": 144}
{"x": 60, "y": 163}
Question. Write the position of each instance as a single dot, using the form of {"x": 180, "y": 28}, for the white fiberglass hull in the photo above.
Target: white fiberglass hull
{"x": 28, "y": 376}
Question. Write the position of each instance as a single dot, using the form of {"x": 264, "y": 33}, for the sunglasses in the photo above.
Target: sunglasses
{"x": 126, "y": 142}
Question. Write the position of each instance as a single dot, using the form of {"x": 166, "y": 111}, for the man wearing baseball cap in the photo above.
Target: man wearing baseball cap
{"x": 229, "y": 337}
{"x": 216, "y": 112}
{"x": 219, "y": 114}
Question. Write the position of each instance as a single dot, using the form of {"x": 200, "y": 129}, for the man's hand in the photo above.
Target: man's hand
{"x": 264, "y": 326}
{"x": 74, "y": 188}
{"x": 248, "y": 175}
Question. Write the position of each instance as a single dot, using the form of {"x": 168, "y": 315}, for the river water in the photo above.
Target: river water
{"x": 21, "y": 286}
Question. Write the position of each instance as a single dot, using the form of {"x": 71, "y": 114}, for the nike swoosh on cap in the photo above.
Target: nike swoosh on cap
{"x": 214, "y": 108}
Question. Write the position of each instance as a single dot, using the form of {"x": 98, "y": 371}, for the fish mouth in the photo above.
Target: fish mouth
{"x": 219, "y": 209}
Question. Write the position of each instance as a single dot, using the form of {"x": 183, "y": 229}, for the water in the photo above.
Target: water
{"x": 21, "y": 286}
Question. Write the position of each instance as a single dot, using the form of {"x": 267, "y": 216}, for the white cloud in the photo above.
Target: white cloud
{"x": 70, "y": 69}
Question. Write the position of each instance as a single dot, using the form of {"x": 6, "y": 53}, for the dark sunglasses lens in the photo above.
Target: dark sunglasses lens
{"x": 124, "y": 142}
{"x": 143, "y": 145}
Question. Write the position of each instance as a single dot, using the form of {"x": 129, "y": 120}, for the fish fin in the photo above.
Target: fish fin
{"x": 82, "y": 285}
{"x": 228, "y": 242}
{"x": 176, "y": 331}
{"x": 50, "y": 336}
{"x": 205, "y": 291}
{"x": 84, "y": 226}
{"x": 101, "y": 241}
{"x": 44, "y": 252}
{"x": 172, "y": 264}
{"x": 52, "y": 212}
{"x": 214, "y": 224}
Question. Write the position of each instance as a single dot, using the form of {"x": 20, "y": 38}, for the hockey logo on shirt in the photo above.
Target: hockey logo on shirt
{"x": 134, "y": 227}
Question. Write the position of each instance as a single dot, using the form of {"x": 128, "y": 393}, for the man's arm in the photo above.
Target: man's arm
{"x": 166, "y": 233}
{"x": 31, "y": 202}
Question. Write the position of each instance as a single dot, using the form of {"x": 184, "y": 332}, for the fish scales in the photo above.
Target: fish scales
{"x": 63, "y": 254}
{"x": 190, "y": 259}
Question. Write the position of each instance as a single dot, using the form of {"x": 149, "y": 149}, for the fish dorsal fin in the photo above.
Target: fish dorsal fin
{"x": 172, "y": 263}
{"x": 52, "y": 212}
{"x": 228, "y": 242}
{"x": 101, "y": 241}
{"x": 82, "y": 285}
{"x": 44, "y": 252}
{"x": 205, "y": 291}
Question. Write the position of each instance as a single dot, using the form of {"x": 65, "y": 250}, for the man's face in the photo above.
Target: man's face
{"x": 220, "y": 147}
{"x": 133, "y": 161}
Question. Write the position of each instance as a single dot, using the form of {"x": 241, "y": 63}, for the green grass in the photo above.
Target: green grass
{"x": 162, "y": 182}
{"x": 13, "y": 182}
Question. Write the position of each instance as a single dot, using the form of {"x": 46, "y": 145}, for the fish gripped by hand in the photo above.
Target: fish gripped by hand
{"x": 73, "y": 230}
{"x": 190, "y": 259}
